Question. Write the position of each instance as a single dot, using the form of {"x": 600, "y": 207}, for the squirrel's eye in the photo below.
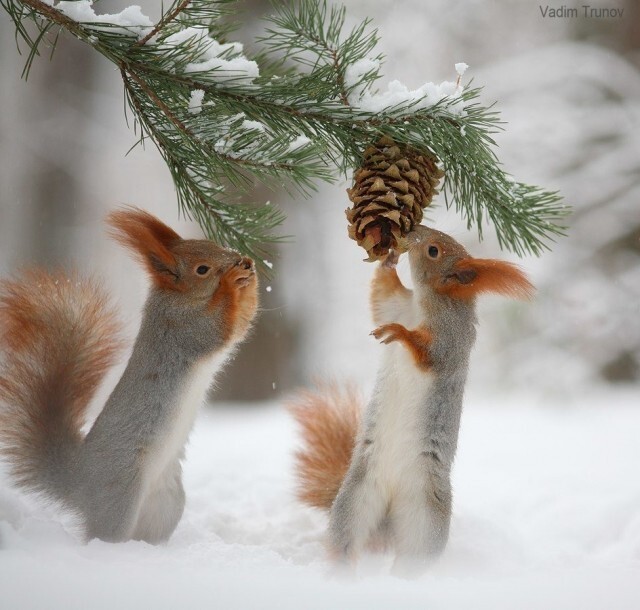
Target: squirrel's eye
{"x": 433, "y": 251}
{"x": 202, "y": 270}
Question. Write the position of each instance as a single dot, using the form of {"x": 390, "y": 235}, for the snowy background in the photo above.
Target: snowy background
{"x": 546, "y": 516}
{"x": 547, "y": 497}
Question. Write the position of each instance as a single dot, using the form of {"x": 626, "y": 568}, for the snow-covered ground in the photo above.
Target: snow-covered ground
{"x": 547, "y": 515}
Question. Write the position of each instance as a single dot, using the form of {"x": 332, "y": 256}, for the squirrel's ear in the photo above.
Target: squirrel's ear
{"x": 471, "y": 276}
{"x": 149, "y": 239}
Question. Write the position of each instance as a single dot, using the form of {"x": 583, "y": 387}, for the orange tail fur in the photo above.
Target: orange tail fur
{"x": 329, "y": 419}
{"x": 58, "y": 337}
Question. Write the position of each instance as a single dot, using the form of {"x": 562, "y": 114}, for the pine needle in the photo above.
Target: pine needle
{"x": 220, "y": 132}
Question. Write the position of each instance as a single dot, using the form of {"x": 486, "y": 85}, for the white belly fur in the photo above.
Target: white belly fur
{"x": 189, "y": 397}
{"x": 400, "y": 421}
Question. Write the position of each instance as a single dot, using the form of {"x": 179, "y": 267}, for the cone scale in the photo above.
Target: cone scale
{"x": 390, "y": 191}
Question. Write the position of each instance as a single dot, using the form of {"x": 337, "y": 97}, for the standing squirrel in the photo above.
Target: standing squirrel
{"x": 59, "y": 337}
{"x": 385, "y": 477}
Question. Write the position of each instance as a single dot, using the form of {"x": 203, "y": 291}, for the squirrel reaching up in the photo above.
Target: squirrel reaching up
{"x": 385, "y": 476}
{"x": 59, "y": 337}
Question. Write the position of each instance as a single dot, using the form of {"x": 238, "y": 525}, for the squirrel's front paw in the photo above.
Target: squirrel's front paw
{"x": 242, "y": 273}
{"x": 389, "y": 332}
{"x": 391, "y": 260}
{"x": 417, "y": 341}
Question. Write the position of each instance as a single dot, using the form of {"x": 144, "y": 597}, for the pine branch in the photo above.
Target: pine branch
{"x": 216, "y": 121}
{"x": 166, "y": 19}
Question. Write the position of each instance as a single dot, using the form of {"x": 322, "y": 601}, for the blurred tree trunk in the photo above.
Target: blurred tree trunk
{"x": 56, "y": 188}
{"x": 265, "y": 364}
{"x": 41, "y": 144}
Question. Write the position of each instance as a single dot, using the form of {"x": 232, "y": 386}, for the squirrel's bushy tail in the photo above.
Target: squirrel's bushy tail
{"x": 329, "y": 418}
{"x": 58, "y": 336}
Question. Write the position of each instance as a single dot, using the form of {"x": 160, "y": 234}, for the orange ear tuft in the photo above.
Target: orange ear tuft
{"x": 150, "y": 239}
{"x": 472, "y": 276}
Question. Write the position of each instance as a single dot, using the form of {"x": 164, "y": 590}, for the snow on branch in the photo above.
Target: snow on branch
{"x": 130, "y": 21}
{"x": 303, "y": 110}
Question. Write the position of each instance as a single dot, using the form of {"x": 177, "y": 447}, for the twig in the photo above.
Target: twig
{"x": 334, "y": 59}
{"x": 56, "y": 16}
{"x": 339, "y": 77}
{"x": 125, "y": 72}
{"x": 166, "y": 19}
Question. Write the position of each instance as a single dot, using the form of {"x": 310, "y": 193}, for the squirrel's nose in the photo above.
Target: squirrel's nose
{"x": 246, "y": 263}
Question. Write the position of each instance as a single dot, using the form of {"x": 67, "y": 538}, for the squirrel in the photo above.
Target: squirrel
{"x": 59, "y": 334}
{"x": 385, "y": 474}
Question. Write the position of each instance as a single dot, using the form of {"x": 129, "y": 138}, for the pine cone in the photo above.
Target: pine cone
{"x": 390, "y": 189}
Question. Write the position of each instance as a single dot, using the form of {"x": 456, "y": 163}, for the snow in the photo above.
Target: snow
{"x": 547, "y": 515}
{"x": 254, "y": 125}
{"x": 131, "y": 20}
{"x": 298, "y": 142}
{"x": 399, "y": 94}
{"x": 353, "y": 75}
{"x": 212, "y": 60}
{"x": 195, "y": 101}
{"x": 238, "y": 69}
{"x": 235, "y": 126}
{"x": 232, "y": 128}
{"x": 209, "y": 63}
